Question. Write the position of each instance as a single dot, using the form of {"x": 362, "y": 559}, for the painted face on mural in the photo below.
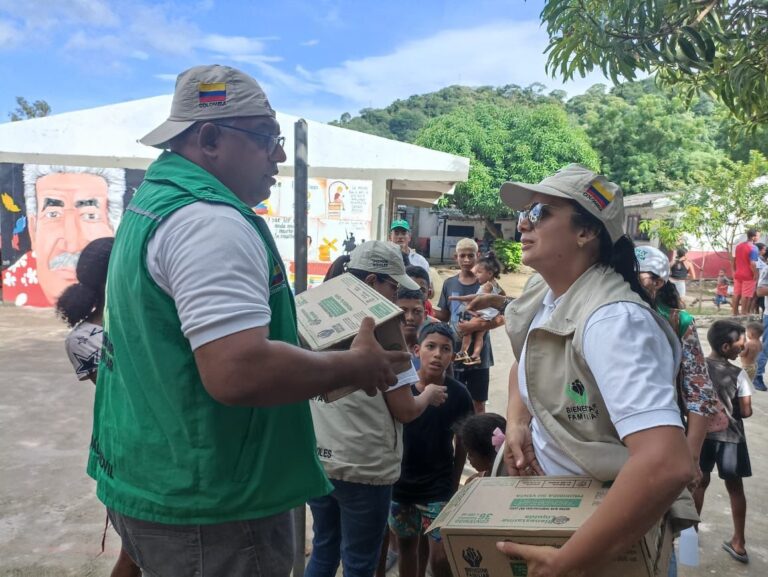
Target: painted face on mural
{"x": 71, "y": 212}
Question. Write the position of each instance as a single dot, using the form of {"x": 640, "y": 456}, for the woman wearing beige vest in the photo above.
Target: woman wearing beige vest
{"x": 594, "y": 390}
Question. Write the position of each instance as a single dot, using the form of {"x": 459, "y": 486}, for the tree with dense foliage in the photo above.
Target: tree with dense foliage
{"x": 403, "y": 119}
{"x": 647, "y": 141}
{"x": 25, "y": 109}
{"x": 647, "y": 137}
{"x": 523, "y": 143}
{"x": 726, "y": 199}
{"x": 711, "y": 46}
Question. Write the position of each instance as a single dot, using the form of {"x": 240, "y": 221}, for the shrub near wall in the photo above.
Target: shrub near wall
{"x": 509, "y": 252}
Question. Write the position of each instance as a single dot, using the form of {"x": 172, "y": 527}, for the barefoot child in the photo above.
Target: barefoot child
{"x": 482, "y": 437}
{"x": 486, "y": 271}
{"x": 431, "y": 468}
{"x": 752, "y": 348}
{"x": 728, "y": 448}
{"x": 721, "y": 290}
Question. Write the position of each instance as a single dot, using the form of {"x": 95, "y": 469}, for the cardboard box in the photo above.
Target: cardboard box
{"x": 535, "y": 511}
{"x": 329, "y": 317}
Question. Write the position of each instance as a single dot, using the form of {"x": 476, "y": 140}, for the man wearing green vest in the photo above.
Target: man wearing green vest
{"x": 202, "y": 437}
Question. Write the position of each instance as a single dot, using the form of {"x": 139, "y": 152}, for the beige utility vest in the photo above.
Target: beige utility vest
{"x": 358, "y": 439}
{"x": 561, "y": 387}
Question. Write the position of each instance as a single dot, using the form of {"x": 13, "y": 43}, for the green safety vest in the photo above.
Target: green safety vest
{"x": 162, "y": 448}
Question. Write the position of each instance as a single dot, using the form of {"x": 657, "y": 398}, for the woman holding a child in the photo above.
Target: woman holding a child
{"x": 593, "y": 393}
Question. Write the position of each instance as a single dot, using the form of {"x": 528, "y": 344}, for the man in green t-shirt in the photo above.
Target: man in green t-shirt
{"x": 202, "y": 437}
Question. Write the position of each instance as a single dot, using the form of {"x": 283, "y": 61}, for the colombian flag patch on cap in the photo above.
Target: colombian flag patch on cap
{"x": 600, "y": 195}
{"x": 212, "y": 94}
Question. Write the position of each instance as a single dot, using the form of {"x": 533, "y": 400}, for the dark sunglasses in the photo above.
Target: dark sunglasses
{"x": 535, "y": 213}
{"x": 272, "y": 141}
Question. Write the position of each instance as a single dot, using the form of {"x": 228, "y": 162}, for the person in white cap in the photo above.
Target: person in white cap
{"x": 697, "y": 396}
{"x": 202, "y": 438}
{"x": 360, "y": 440}
{"x": 699, "y": 408}
{"x": 594, "y": 391}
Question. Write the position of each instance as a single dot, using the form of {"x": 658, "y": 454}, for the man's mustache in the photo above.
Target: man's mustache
{"x": 64, "y": 260}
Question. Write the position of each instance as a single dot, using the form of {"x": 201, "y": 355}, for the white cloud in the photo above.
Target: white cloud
{"x": 158, "y": 31}
{"x": 276, "y": 76}
{"x": 9, "y": 35}
{"x": 303, "y": 72}
{"x": 231, "y": 44}
{"x": 491, "y": 55}
{"x": 310, "y": 110}
{"x": 166, "y": 77}
{"x": 332, "y": 17}
{"x": 44, "y": 14}
{"x": 107, "y": 43}
{"x": 313, "y": 42}
{"x": 496, "y": 54}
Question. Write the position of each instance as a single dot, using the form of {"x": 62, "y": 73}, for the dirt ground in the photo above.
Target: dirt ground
{"x": 51, "y": 523}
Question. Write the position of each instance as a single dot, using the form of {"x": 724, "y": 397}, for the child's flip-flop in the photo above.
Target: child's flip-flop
{"x": 461, "y": 356}
{"x": 733, "y": 553}
{"x": 473, "y": 361}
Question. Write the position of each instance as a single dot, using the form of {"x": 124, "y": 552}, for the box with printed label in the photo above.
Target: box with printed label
{"x": 329, "y": 317}
{"x": 535, "y": 511}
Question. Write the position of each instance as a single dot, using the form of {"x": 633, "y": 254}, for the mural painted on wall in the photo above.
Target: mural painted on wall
{"x": 338, "y": 216}
{"x": 48, "y": 215}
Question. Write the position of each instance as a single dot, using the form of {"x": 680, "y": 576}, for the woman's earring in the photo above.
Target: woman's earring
{"x": 581, "y": 244}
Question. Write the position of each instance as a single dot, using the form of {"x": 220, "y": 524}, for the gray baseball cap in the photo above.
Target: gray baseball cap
{"x": 651, "y": 259}
{"x": 209, "y": 92}
{"x": 381, "y": 257}
{"x": 600, "y": 197}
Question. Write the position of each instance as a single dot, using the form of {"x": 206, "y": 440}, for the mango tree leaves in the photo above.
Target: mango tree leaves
{"x": 711, "y": 46}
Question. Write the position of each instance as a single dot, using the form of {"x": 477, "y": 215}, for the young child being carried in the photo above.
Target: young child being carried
{"x": 721, "y": 290}
{"x": 431, "y": 467}
{"x": 752, "y": 348}
{"x": 482, "y": 436}
{"x": 487, "y": 270}
{"x": 728, "y": 448}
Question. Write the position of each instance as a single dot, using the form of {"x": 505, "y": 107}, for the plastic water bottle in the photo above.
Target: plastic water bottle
{"x": 689, "y": 547}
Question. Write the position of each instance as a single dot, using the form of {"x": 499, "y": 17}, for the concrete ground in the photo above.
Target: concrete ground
{"x": 51, "y": 523}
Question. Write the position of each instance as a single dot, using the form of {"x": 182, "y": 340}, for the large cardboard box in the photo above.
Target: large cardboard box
{"x": 329, "y": 317}
{"x": 535, "y": 511}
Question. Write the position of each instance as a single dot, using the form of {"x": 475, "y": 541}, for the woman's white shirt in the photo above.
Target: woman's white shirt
{"x": 634, "y": 368}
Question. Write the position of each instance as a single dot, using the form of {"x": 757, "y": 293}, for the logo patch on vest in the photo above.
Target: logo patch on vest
{"x": 577, "y": 392}
{"x": 580, "y": 410}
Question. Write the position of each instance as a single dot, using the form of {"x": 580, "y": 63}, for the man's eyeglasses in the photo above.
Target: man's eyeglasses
{"x": 272, "y": 141}
{"x": 390, "y": 281}
{"x": 534, "y": 214}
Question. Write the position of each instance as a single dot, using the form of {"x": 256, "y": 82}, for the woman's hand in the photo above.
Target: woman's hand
{"x": 541, "y": 560}
{"x": 473, "y": 325}
{"x": 481, "y": 301}
{"x": 519, "y": 456}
